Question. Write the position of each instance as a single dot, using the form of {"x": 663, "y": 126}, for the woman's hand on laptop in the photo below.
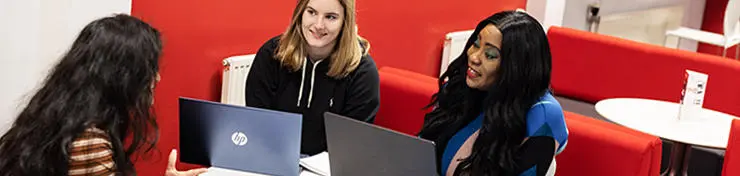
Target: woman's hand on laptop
{"x": 172, "y": 171}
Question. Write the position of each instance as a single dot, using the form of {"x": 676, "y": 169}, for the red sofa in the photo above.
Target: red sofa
{"x": 403, "y": 96}
{"x": 593, "y": 67}
{"x": 731, "y": 165}
{"x": 594, "y": 147}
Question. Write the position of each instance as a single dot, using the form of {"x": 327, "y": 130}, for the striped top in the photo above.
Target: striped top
{"x": 91, "y": 153}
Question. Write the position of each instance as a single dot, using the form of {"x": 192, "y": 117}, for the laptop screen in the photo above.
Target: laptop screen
{"x": 240, "y": 138}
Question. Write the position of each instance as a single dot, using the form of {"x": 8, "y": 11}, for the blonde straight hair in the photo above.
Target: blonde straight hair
{"x": 346, "y": 55}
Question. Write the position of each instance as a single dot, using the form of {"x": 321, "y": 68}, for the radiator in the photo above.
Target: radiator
{"x": 453, "y": 47}
{"x": 235, "y": 72}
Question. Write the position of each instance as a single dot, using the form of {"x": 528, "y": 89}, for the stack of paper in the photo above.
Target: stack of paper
{"x": 308, "y": 173}
{"x": 318, "y": 164}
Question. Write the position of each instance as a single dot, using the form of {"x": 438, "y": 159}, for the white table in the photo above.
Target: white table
{"x": 660, "y": 118}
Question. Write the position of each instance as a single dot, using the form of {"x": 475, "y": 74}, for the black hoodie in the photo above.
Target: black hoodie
{"x": 309, "y": 91}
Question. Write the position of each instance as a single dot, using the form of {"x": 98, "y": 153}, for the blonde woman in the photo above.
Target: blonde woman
{"x": 318, "y": 64}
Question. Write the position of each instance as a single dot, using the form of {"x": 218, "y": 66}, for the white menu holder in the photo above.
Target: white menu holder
{"x": 692, "y": 96}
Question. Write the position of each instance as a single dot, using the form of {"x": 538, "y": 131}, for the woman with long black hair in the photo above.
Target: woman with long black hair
{"x": 98, "y": 95}
{"x": 494, "y": 113}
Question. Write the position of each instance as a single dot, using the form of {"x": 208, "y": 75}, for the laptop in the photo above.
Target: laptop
{"x": 357, "y": 148}
{"x": 239, "y": 138}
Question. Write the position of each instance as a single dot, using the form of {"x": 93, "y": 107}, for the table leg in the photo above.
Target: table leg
{"x": 686, "y": 157}
{"x": 676, "y": 159}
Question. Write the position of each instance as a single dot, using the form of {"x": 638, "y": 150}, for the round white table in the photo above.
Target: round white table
{"x": 660, "y": 118}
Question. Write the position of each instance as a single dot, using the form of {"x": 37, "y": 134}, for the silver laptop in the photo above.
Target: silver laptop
{"x": 239, "y": 138}
{"x": 357, "y": 148}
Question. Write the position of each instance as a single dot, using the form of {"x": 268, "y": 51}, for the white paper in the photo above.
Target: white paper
{"x": 308, "y": 173}
{"x": 692, "y": 99}
{"x": 318, "y": 164}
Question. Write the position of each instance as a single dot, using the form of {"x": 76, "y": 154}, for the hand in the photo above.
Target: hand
{"x": 172, "y": 171}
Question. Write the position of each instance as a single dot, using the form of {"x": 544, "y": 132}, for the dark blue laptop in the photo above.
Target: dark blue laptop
{"x": 239, "y": 138}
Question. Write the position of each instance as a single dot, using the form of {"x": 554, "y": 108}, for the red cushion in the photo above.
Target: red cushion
{"x": 594, "y": 67}
{"x": 403, "y": 95}
{"x": 732, "y": 154}
{"x": 410, "y": 75}
{"x": 600, "y": 148}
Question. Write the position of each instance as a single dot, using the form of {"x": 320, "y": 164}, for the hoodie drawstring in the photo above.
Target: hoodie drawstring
{"x": 313, "y": 75}
{"x": 300, "y": 91}
{"x": 303, "y": 78}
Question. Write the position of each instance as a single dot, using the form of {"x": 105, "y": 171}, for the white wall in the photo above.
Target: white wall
{"x": 33, "y": 36}
{"x": 576, "y": 9}
{"x": 547, "y": 12}
{"x": 575, "y": 12}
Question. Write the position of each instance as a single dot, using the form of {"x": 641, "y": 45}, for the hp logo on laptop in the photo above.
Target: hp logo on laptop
{"x": 239, "y": 138}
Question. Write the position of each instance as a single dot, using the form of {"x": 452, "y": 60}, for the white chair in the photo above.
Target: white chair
{"x": 731, "y": 31}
